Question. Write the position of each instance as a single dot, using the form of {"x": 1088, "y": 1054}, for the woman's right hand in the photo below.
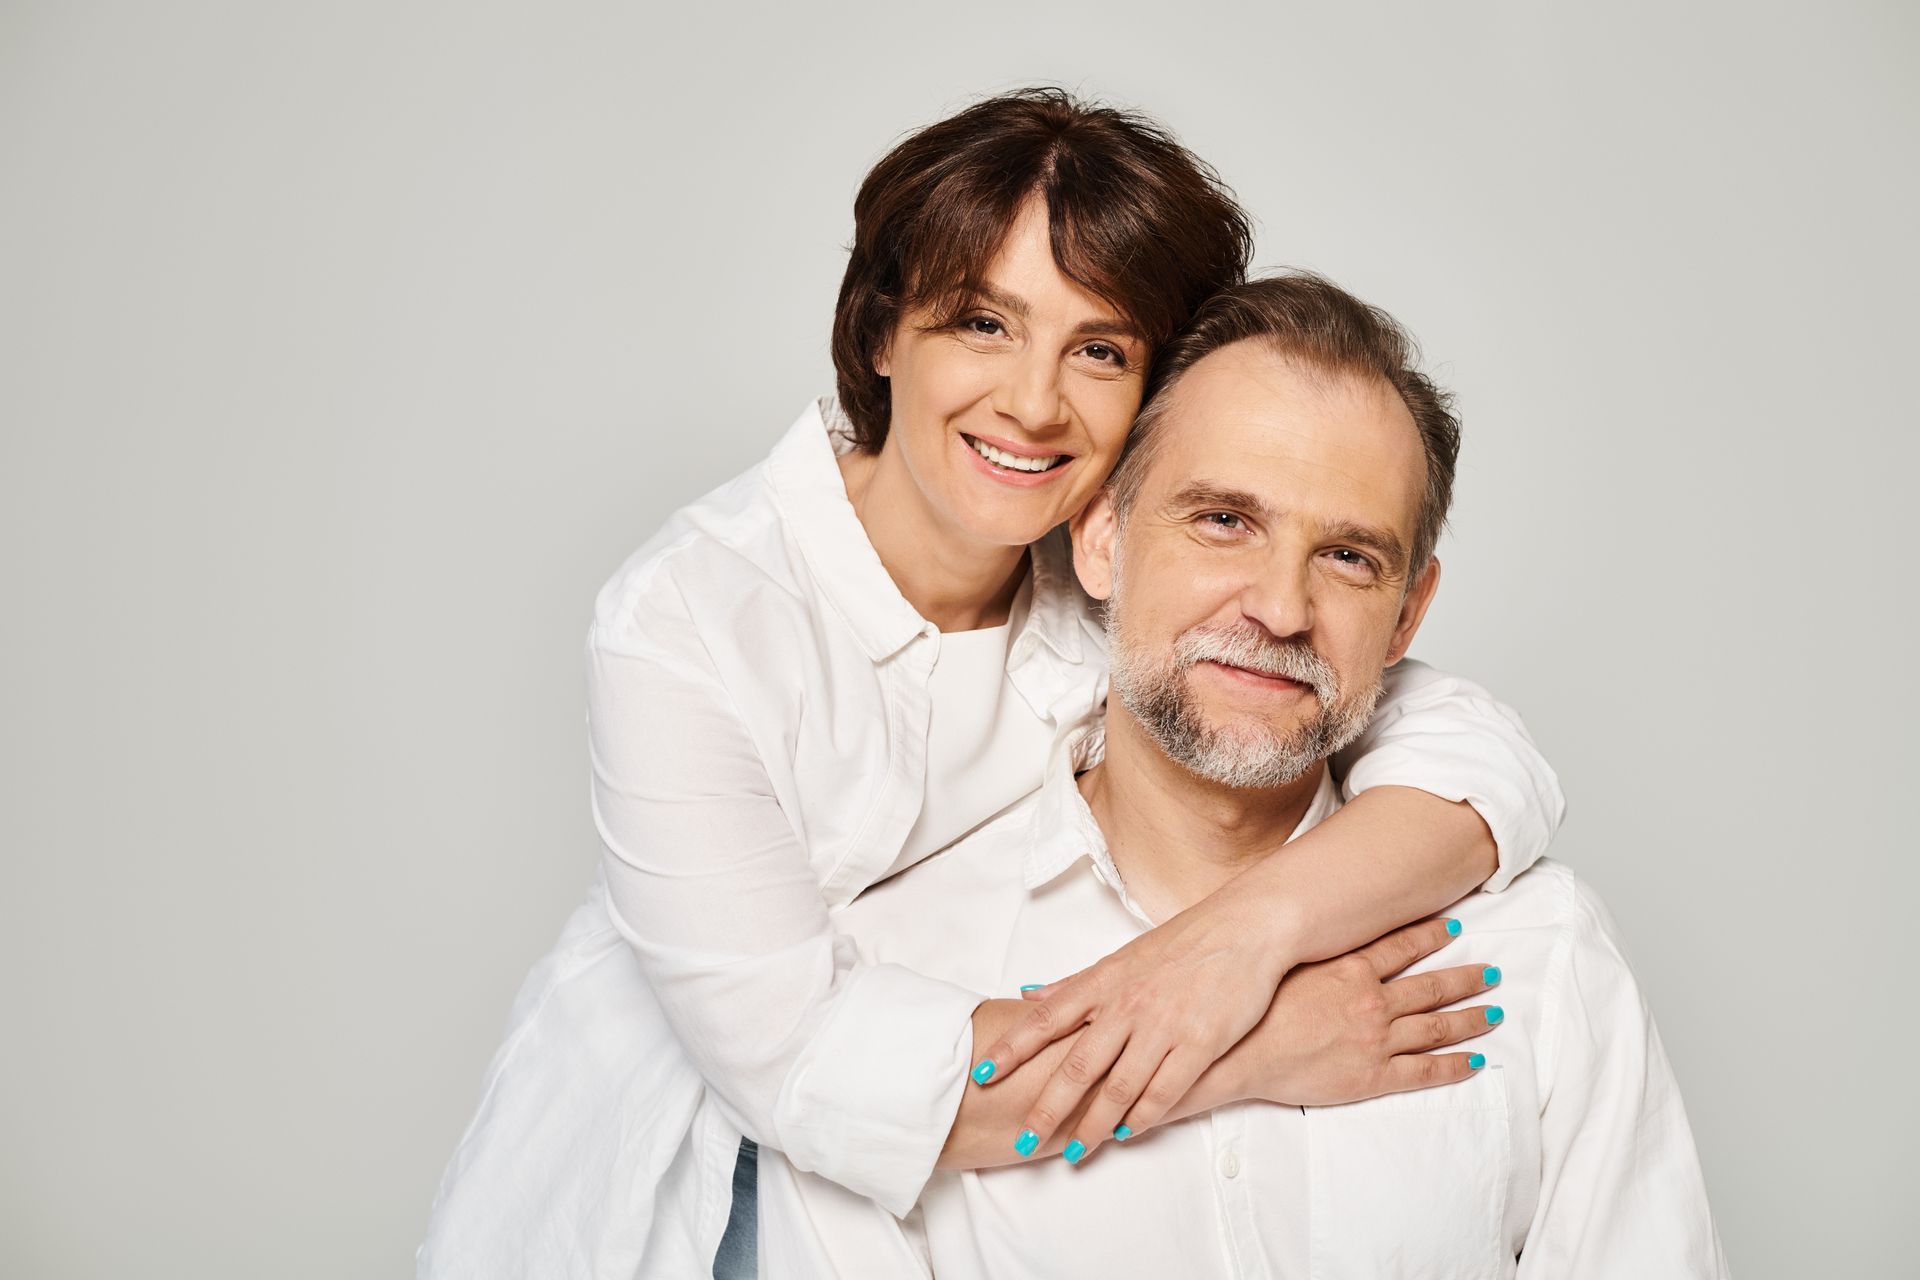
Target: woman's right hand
{"x": 1346, "y": 1029}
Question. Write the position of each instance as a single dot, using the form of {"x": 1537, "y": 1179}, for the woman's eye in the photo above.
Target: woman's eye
{"x": 985, "y": 326}
{"x": 1107, "y": 355}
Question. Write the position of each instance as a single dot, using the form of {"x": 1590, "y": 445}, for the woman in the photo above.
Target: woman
{"x": 857, "y": 651}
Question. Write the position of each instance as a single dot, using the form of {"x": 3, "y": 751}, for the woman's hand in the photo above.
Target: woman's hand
{"x": 1157, "y": 1013}
{"x": 1336, "y": 1031}
{"x": 1340, "y": 1030}
{"x": 1346, "y": 1029}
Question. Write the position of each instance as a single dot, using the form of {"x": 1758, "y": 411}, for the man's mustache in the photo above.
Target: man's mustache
{"x": 1256, "y": 650}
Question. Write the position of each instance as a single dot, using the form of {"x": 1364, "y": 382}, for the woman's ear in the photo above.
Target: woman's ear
{"x": 1412, "y": 610}
{"x": 883, "y": 358}
{"x": 1094, "y": 531}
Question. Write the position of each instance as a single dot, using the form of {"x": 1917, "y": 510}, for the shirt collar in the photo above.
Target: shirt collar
{"x": 805, "y": 474}
{"x": 1064, "y": 831}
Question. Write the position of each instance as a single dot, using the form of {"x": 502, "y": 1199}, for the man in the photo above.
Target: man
{"x": 1265, "y": 554}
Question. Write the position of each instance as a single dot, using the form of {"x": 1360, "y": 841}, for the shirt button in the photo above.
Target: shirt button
{"x": 1229, "y": 1164}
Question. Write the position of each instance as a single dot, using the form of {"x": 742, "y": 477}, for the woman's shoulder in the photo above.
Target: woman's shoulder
{"x": 730, "y": 552}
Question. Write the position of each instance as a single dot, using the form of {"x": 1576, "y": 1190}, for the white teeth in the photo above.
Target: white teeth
{"x": 1011, "y": 461}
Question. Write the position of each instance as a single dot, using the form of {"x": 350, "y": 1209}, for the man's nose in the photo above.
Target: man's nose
{"x": 1280, "y": 596}
{"x": 1030, "y": 393}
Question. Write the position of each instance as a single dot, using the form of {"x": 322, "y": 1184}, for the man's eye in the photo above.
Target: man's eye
{"x": 1348, "y": 556}
{"x": 1224, "y": 520}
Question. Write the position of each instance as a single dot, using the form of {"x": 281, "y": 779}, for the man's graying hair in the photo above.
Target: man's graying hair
{"x": 1309, "y": 318}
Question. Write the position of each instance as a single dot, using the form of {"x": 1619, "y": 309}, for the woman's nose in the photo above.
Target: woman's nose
{"x": 1030, "y": 393}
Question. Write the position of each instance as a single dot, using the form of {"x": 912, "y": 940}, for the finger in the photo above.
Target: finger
{"x": 1395, "y": 951}
{"x": 1036, "y": 990}
{"x": 1426, "y": 1070}
{"x": 1117, "y": 1094}
{"x": 1169, "y": 1084}
{"x": 1424, "y": 991}
{"x": 1091, "y": 1057}
{"x": 1419, "y": 1032}
{"x": 1046, "y": 1021}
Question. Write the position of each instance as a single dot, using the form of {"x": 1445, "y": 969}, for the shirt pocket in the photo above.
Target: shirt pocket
{"x": 1412, "y": 1186}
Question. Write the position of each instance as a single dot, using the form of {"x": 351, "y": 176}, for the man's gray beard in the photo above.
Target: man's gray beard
{"x": 1160, "y": 696}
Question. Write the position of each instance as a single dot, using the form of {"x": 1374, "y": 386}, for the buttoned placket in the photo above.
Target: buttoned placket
{"x": 1233, "y": 1190}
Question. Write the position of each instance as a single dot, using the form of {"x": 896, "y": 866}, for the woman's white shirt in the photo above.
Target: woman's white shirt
{"x": 760, "y": 699}
{"x": 981, "y": 735}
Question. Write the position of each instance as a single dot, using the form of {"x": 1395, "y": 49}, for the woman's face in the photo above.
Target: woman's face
{"x": 1010, "y": 419}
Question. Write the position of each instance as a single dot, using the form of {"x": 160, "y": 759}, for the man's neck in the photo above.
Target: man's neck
{"x": 1176, "y": 837}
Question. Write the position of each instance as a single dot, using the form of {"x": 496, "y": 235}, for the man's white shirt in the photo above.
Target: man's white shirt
{"x": 1567, "y": 1156}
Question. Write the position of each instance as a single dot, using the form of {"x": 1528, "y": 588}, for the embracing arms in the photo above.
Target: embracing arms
{"x": 1446, "y": 769}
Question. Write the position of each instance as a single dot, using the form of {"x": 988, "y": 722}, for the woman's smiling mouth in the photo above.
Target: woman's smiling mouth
{"x": 1017, "y": 467}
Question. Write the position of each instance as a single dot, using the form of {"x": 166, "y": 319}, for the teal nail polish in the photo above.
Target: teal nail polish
{"x": 1476, "y": 1062}
{"x": 1033, "y": 986}
{"x": 1121, "y": 1133}
{"x": 983, "y": 1072}
{"x": 1491, "y": 975}
{"x": 1074, "y": 1151}
{"x": 1026, "y": 1143}
{"x": 1453, "y": 928}
{"x": 1494, "y": 1014}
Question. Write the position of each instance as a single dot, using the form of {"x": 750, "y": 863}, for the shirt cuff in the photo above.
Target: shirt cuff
{"x": 870, "y": 1101}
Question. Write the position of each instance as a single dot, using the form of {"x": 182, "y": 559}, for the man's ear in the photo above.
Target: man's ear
{"x": 1094, "y": 531}
{"x": 1413, "y": 609}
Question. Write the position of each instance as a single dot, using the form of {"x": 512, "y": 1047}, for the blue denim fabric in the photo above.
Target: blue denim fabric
{"x": 739, "y": 1255}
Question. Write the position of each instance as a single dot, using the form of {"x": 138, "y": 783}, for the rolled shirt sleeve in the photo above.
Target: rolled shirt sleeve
{"x": 1451, "y": 738}
{"x": 854, "y": 1071}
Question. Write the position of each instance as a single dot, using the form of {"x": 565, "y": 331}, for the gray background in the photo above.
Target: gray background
{"x": 346, "y": 348}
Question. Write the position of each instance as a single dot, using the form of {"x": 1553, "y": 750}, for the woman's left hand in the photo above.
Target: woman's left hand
{"x": 1157, "y": 1013}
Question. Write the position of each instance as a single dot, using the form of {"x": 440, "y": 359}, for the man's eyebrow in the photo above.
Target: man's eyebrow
{"x": 1018, "y": 306}
{"x": 1204, "y": 493}
{"x": 1382, "y": 542}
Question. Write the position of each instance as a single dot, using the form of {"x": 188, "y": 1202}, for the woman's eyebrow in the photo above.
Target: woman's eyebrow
{"x": 1019, "y": 306}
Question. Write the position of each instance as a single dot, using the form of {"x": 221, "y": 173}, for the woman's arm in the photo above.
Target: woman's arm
{"x": 1456, "y": 765}
{"x": 1337, "y": 1031}
{"x": 853, "y": 1070}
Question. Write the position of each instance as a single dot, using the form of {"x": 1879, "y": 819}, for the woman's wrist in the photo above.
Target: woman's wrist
{"x": 1267, "y": 919}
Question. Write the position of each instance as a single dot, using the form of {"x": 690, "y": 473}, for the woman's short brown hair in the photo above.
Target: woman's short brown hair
{"x": 1135, "y": 219}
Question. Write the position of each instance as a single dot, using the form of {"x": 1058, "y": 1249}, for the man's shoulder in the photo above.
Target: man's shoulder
{"x": 1547, "y": 901}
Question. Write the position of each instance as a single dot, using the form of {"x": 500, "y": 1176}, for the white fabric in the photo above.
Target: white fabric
{"x": 979, "y": 733}
{"x": 1568, "y": 1157}
{"x": 758, "y": 715}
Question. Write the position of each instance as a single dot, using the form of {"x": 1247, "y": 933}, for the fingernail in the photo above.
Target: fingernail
{"x": 1453, "y": 928}
{"x": 1033, "y": 986}
{"x": 1074, "y": 1151}
{"x": 1494, "y": 1014}
{"x": 1491, "y": 975}
{"x": 1476, "y": 1061}
{"x": 1026, "y": 1143}
{"x": 1121, "y": 1133}
{"x": 983, "y": 1072}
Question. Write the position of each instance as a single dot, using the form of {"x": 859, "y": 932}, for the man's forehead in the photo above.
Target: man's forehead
{"x": 1261, "y": 421}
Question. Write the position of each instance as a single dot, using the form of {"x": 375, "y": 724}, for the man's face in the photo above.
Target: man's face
{"x": 1258, "y": 586}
